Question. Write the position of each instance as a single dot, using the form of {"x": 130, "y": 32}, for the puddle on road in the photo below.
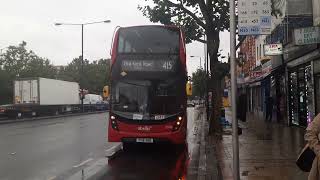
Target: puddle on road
{"x": 148, "y": 161}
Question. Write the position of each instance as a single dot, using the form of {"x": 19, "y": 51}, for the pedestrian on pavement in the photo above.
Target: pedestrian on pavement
{"x": 312, "y": 137}
{"x": 269, "y": 107}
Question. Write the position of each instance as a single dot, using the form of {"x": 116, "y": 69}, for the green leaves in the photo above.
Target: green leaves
{"x": 94, "y": 77}
{"x": 18, "y": 62}
{"x": 199, "y": 82}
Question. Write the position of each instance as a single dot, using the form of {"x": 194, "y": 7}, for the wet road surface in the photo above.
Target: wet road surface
{"x": 59, "y": 148}
{"x": 145, "y": 162}
{"x": 157, "y": 162}
{"x": 45, "y": 149}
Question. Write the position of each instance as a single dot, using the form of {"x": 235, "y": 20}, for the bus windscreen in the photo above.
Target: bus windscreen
{"x": 148, "y": 98}
{"x": 149, "y": 40}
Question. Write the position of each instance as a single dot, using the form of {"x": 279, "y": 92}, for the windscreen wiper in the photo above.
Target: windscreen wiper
{"x": 135, "y": 84}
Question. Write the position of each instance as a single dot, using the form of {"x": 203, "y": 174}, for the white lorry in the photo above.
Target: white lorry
{"x": 42, "y": 96}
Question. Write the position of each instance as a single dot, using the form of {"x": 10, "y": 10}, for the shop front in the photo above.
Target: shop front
{"x": 301, "y": 83}
{"x": 300, "y": 95}
{"x": 316, "y": 70}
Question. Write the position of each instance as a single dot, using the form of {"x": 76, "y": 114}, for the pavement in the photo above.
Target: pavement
{"x": 267, "y": 151}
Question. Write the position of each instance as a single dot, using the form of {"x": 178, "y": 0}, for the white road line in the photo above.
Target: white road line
{"x": 112, "y": 148}
{"x": 83, "y": 163}
{"x": 51, "y": 178}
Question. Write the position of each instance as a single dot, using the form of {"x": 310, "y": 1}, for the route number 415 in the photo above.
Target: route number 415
{"x": 167, "y": 65}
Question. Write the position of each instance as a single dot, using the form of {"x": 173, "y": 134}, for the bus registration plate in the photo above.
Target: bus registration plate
{"x": 144, "y": 140}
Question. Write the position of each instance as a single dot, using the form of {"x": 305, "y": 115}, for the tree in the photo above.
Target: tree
{"x": 97, "y": 75}
{"x": 199, "y": 83}
{"x": 5, "y": 88}
{"x": 198, "y": 18}
{"x": 94, "y": 77}
{"x": 18, "y": 62}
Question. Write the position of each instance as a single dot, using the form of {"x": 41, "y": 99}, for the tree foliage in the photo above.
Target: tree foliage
{"x": 18, "y": 62}
{"x": 94, "y": 77}
{"x": 197, "y": 17}
{"x": 199, "y": 83}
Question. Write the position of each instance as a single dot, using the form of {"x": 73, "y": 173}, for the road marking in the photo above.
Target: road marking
{"x": 83, "y": 163}
{"x": 113, "y": 150}
{"x": 51, "y": 178}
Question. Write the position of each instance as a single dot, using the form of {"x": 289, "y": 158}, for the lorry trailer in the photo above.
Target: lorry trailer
{"x": 43, "y": 97}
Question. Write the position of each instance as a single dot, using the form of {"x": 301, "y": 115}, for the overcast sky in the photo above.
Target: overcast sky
{"x": 33, "y": 21}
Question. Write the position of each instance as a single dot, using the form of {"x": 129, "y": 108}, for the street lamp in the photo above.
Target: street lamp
{"x": 198, "y": 57}
{"x": 82, "y": 25}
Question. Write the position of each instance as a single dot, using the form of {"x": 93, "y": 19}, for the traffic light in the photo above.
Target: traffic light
{"x": 189, "y": 89}
{"x": 106, "y": 91}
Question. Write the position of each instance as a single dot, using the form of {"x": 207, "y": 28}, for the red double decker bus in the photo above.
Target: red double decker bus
{"x": 148, "y": 85}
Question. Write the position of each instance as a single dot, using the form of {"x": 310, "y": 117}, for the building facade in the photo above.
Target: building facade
{"x": 291, "y": 79}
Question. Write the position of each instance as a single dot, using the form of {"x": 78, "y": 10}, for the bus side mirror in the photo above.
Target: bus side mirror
{"x": 189, "y": 89}
{"x": 106, "y": 91}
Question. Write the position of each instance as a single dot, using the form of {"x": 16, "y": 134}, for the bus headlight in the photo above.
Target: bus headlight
{"x": 177, "y": 124}
{"x": 114, "y": 123}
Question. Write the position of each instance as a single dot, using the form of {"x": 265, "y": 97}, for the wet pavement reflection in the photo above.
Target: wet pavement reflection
{"x": 158, "y": 161}
{"x": 268, "y": 150}
{"x": 149, "y": 161}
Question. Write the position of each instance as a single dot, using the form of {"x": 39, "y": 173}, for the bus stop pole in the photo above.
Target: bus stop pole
{"x": 235, "y": 137}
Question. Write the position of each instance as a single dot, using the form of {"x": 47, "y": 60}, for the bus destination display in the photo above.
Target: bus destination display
{"x": 148, "y": 65}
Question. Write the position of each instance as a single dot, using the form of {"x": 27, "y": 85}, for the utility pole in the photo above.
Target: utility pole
{"x": 82, "y": 63}
{"x": 235, "y": 136}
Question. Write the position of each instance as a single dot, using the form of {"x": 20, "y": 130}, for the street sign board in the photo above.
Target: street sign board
{"x": 308, "y": 35}
{"x": 316, "y": 12}
{"x": 273, "y": 49}
{"x": 254, "y": 17}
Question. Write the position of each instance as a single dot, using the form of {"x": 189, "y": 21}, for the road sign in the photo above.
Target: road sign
{"x": 308, "y": 35}
{"x": 254, "y": 17}
{"x": 273, "y": 49}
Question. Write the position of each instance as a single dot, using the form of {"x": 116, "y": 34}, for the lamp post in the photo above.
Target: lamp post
{"x": 82, "y": 26}
{"x": 235, "y": 138}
